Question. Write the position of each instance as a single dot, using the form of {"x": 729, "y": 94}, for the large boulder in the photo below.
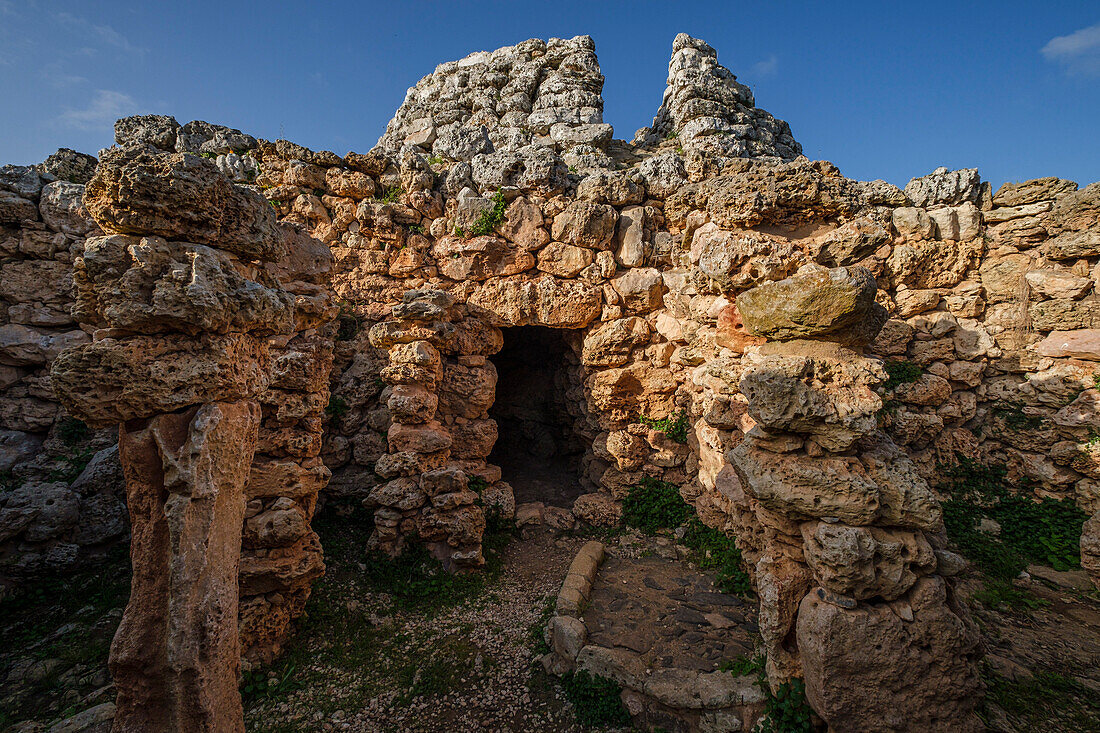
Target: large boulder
{"x": 139, "y": 189}
{"x": 813, "y": 388}
{"x": 544, "y": 301}
{"x": 866, "y": 562}
{"x": 148, "y": 285}
{"x": 114, "y": 380}
{"x": 836, "y": 488}
{"x": 884, "y": 667}
{"x": 942, "y": 187}
{"x": 817, "y": 302}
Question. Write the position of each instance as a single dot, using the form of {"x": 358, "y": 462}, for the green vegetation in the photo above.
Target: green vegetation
{"x": 275, "y": 203}
{"x": 369, "y": 597}
{"x": 436, "y": 673}
{"x": 786, "y": 710}
{"x": 743, "y": 666}
{"x": 256, "y": 685}
{"x": 337, "y": 406}
{"x": 652, "y": 505}
{"x": 713, "y": 550}
{"x": 435, "y": 160}
{"x": 417, "y": 580}
{"x": 72, "y": 465}
{"x": 900, "y": 372}
{"x": 596, "y": 700}
{"x": 71, "y": 431}
{"x": 1015, "y": 417}
{"x": 674, "y": 426}
{"x": 489, "y": 219}
{"x": 536, "y": 632}
{"x": 390, "y": 195}
{"x": 672, "y": 135}
{"x": 1046, "y": 531}
{"x": 1048, "y": 701}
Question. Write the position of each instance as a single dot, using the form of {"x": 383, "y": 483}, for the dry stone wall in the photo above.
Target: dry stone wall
{"x": 497, "y": 198}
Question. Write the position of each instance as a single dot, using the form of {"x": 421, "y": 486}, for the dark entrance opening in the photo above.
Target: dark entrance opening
{"x": 539, "y": 405}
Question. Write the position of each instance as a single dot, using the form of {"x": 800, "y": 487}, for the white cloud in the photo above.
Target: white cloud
{"x": 56, "y": 76}
{"x": 767, "y": 67}
{"x": 102, "y": 32}
{"x": 1079, "y": 52}
{"x": 105, "y": 107}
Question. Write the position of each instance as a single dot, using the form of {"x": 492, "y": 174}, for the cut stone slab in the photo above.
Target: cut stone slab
{"x": 1082, "y": 343}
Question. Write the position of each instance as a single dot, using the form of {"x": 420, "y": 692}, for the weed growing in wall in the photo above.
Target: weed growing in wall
{"x": 489, "y": 219}
{"x": 596, "y": 700}
{"x": 390, "y": 195}
{"x": 713, "y": 550}
{"x": 1046, "y": 531}
{"x": 1015, "y": 417}
{"x": 652, "y": 505}
{"x": 900, "y": 372}
{"x": 674, "y": 426}
{"x": 337, "y": 406}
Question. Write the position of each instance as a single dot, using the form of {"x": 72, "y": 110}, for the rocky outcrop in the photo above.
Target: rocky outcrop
{"x": 491, "y": 108}
{"x": 705, "y": 108}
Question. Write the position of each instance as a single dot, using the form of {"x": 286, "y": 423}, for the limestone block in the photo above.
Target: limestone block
{"x": 868, "y": 669}
{"x": 817, "y": 302}
{"x": 114, "y": 380}
{"x": 149, "y": 285}
{"x": 140, "y": 190}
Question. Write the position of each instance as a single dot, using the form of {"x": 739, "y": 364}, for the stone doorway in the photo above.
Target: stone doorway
{"x": 540, "y": 409}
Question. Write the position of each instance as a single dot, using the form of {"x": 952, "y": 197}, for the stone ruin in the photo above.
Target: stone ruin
{"x": 265, "y": 325}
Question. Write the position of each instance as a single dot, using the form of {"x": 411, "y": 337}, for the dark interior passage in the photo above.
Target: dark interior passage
{"x": 538, "y": 403}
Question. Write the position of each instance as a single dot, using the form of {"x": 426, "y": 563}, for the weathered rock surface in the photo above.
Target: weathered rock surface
{"x": 176, "y": 657}
{"x": 815, "y": 303}
{"x": 142, "y": 190}
{"x": 922, "y": 673}
{"x": 114, "y": 380}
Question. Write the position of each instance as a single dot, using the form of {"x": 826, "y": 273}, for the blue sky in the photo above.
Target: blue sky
{"x": 884, "y": 90}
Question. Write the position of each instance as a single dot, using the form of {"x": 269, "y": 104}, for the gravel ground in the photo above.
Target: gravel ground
{"x": 470, "y": 666}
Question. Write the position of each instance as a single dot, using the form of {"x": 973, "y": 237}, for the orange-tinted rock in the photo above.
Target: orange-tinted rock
{"x": 732, "y": 333}
{"x": 176, "y": 656}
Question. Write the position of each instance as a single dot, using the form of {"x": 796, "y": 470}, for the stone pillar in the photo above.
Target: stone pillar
{"x": 175, "y": 657}
{"x": 849, "y": 544}
{"x": 181, "y": 313}
{"x": 440, "y": 389}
